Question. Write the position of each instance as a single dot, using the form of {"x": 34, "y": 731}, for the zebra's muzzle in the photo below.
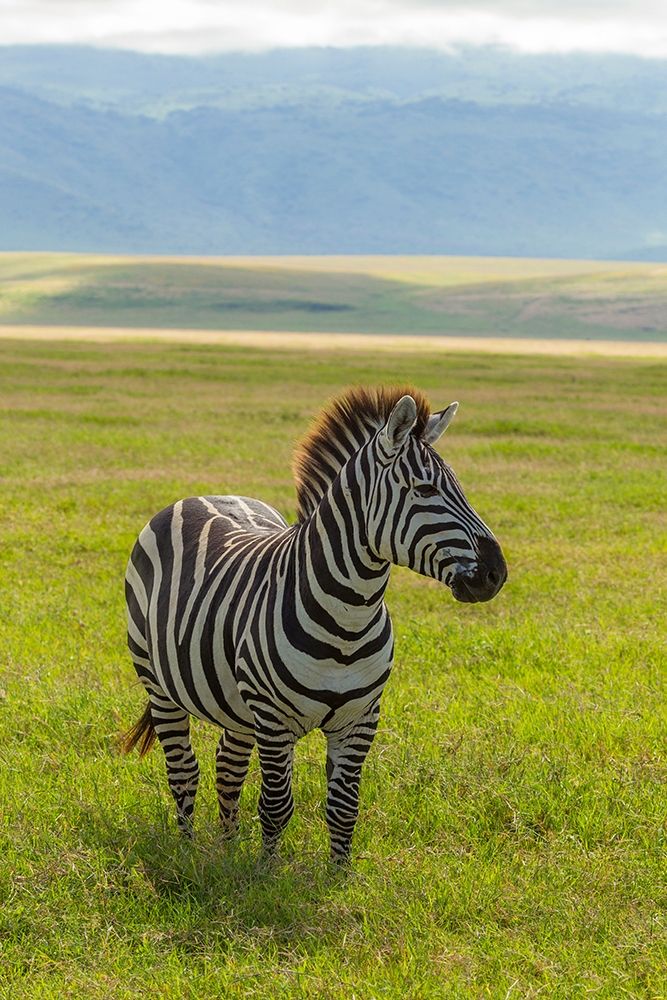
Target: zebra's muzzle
{"x": 481, "y": 583}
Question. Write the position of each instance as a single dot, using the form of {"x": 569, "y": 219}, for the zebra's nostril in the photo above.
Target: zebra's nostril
{"x": 492, "y": 577}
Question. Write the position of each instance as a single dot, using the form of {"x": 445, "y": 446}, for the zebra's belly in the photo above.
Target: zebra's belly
{"x": 333, "y": 718}
{"x": 207, "y": 690}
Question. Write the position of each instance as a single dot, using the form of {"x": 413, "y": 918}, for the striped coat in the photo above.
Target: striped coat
{"x": 270, "y": 630}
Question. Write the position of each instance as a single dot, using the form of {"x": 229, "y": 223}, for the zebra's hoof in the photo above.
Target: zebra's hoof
{"x": 229, "y": 831}
{"x": 340, "y": 862}
{"x": 267, "y": 860}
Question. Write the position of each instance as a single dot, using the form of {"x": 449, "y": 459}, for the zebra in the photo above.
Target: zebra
{"x": 270, "y": 630}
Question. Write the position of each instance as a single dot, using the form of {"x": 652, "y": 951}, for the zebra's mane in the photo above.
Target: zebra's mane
{"x": 347, "y": 423}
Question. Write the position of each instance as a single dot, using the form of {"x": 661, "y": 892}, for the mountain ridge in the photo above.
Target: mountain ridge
{"x": 350, "y": 171}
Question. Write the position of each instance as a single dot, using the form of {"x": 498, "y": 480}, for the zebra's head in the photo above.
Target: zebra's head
{"x": 418, "y": 514}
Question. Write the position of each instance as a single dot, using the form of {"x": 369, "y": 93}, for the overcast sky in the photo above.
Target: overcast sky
{"x": 194, "y": 26}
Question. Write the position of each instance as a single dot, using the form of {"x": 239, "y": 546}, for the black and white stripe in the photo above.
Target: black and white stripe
{"x": 270, "y": 630}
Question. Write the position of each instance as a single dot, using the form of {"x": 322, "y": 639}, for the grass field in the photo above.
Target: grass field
{"x": 455, "y": 296}
{"x": 512, "y": 833}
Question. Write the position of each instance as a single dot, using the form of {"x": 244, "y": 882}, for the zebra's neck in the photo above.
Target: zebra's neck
{"x": 346, "y": 579}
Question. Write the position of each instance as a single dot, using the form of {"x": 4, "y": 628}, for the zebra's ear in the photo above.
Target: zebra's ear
{"x": 401, "y": 421}
{"x": 438, "y": 423}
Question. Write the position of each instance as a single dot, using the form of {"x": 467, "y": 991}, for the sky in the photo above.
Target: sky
{"x": 197, "y": 26}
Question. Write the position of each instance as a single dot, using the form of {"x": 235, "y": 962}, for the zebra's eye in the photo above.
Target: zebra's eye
{"x": 426, "y": 490}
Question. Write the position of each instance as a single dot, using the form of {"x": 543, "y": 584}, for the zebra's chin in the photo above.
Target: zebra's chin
{"x": 455, "y": 581}
{"x": 463, "y": 593}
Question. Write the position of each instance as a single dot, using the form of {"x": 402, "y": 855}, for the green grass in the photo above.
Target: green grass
{"x": 511, "y": 841}
{"x": 498, "y": 297}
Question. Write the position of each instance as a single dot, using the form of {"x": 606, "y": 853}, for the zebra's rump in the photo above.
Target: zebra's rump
{"x": 186, "y": 568}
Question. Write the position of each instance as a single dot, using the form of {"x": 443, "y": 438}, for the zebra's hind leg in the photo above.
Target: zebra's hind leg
{"x": 276, "y": 804}
{"x": 169, "y": 722}
{"x": 231, "y": 765}
{"x": 172, "y": 727}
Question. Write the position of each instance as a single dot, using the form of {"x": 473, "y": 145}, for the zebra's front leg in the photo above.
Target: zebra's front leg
{"x": 346, "y": 753}
{"x": 231, "y": 761}
{"x": 276, "y": 804}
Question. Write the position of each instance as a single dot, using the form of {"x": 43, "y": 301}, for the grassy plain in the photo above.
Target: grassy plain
{"x": 456, "y": 296}
{"x": 512, "y": 835}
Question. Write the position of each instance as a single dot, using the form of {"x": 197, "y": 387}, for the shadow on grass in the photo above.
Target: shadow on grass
{"x": 221, "y": 889}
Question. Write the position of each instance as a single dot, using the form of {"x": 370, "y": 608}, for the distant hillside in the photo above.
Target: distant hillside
{"x": 326, "y": 151}
{"x": 487, "y": 297}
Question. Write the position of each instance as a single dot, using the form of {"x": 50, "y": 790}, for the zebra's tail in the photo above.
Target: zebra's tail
{"x": 142, "y": 734}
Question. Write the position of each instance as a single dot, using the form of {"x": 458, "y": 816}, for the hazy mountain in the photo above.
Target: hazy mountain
{"x": 363, "y": 150}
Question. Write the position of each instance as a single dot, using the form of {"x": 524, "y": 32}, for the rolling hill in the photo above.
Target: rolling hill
{"x": 460, "y": 297}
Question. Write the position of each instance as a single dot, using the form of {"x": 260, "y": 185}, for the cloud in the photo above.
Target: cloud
{"x": 536, "y": 9}
{"x": 222, "y": 25}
